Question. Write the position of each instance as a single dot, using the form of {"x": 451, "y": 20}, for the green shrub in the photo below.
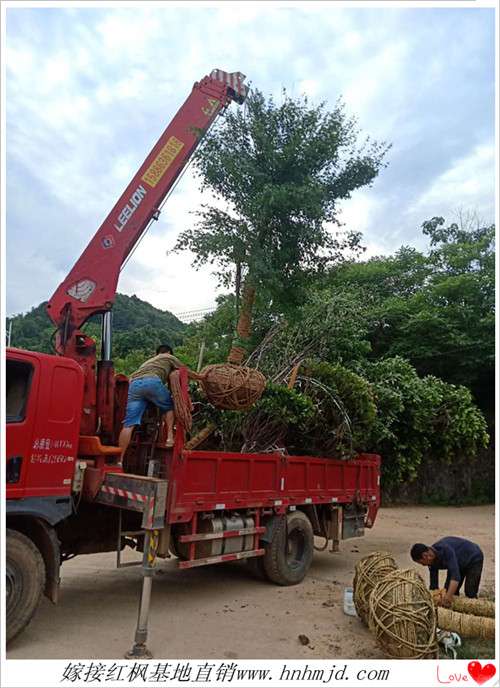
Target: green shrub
{"x": 420, "y": 418}
{"x": 344, "y": 410}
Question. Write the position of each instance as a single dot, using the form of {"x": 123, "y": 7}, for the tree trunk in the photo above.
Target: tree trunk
{"x": 237, "y": 287}
{"x": 244, "y": 326}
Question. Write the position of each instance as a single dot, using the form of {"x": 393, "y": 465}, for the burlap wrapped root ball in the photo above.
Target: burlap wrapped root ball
{"x": 403, "y": 617}
{"x": 369, "y": 571}
{"x": 466, "y": 625}
{"x": 232, "y": 387}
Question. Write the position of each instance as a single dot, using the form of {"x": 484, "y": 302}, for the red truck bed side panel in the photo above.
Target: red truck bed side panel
{"x": 210, "y": 480}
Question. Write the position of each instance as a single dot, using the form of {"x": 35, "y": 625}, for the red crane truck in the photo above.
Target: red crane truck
{"x": 67, "y": 493}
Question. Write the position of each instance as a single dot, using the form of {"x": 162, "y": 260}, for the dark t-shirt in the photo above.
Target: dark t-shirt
{"x": 456, "y": 555}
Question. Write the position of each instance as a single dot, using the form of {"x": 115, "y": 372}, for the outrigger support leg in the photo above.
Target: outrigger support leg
{"x": 139, "y": 649}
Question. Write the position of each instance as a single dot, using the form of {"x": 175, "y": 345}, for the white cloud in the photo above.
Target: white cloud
{"x": 20, "y": 61}
{"x": 26, "y": 271}
{"x": 56, "y": 72}
{"x": 168, "y": 281}
{"x": 352, "y": 40}
{"x": 468, "y": 183}
{"x": 366, "y": 80}
{"x": 127, "y": 31}
{"x": 356, "y": 213}
{"x": 310, "y": 87}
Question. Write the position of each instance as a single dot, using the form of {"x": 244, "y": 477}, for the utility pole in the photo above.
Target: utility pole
{"x": 9, "y": 333}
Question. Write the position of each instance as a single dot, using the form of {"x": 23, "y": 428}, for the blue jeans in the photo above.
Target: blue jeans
{"x": 142, "y": 391}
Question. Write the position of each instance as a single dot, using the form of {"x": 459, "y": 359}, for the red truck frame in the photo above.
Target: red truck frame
{"x": 66, "y": 492}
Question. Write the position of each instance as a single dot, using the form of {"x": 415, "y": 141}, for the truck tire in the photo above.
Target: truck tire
{"x": 25, "y": 579}
{"x": 289, "y": 554}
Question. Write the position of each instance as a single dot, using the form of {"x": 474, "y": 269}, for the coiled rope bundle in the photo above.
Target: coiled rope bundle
{"x": 182, "y": 401}
{"x": 403, "y": 617}
{"x": 369, "y": 571}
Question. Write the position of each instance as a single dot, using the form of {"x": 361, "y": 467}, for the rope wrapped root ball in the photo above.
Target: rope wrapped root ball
{"x": 369, "y": 571}
{"x": 467, "y": 605}
{"x": 403, "y": 616}
{"x": 466, "y": 625}
{"x": 232, "y": 387}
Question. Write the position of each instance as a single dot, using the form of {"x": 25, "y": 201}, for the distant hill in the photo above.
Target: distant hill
{"x": 138, "y": 327}
{"x": 131, "y": 313}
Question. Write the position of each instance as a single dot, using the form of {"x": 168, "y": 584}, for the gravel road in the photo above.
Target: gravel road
{"x": 221, "y": 611}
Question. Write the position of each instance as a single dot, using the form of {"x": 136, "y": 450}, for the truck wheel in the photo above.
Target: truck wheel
{"x": 289, "y": 554}
{"x": 25, "y": 578}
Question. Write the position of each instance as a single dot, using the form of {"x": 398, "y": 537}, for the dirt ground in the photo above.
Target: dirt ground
{"x": 221, "y": 611}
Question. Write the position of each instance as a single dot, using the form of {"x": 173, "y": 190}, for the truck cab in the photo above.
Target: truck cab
{"x": 43, "y": 411}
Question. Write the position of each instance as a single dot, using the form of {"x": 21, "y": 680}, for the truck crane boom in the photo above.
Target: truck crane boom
{"x": 90, "y": 287}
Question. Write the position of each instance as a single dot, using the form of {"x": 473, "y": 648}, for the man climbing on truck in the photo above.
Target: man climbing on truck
{"x": 149, "y": 383}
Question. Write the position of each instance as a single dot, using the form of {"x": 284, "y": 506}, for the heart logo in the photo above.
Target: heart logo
{"x": 481, "y": 674}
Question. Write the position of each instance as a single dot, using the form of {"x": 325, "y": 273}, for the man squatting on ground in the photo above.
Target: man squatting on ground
{"x": 462, "y": 559}
{"x": 148, "y": 384}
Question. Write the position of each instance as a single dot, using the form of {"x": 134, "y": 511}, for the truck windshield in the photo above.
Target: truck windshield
{"x": 18, "y": 381}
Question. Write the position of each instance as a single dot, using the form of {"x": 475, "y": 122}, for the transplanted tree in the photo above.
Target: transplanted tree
{"x": 280, "y": 172}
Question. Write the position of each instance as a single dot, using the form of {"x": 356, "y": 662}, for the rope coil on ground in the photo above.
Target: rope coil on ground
{"x": 403, "y": 617}
{"x": 369, "y": 571}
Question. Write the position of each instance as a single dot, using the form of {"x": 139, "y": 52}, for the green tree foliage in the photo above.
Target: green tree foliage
{"x": 396, "y": 344}
{"x": 130, "y": 313}
{"x": 345, "y": 410}
{"x": 33, "y": 330}
{"x": 415, "y": 328}
{"x": 330, "y": 326}
{"x": 279, "y": 418}
{"x": 385, "y": 408}
{"x": 420, "y": 418}
{"x": 435, "y": 310}
{"x": 281, "y": 171}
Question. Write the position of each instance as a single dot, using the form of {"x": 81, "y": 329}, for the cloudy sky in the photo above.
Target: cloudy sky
{"x": 89, "y": 90}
